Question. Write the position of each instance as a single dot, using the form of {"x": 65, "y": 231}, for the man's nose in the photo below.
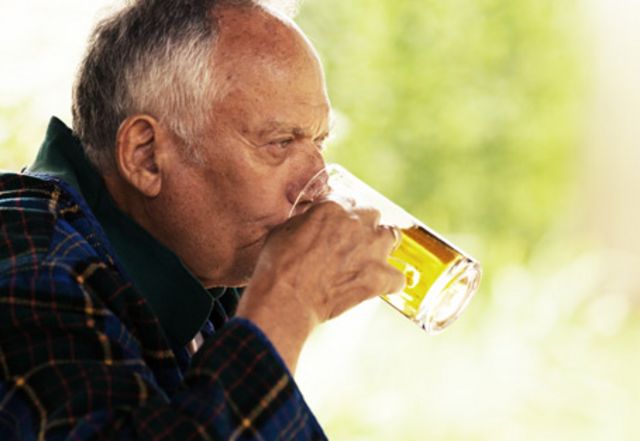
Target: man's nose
{"x": 313, "y": 190}
{"x": 314, "y": 159}
{"x": 310, "y": 164}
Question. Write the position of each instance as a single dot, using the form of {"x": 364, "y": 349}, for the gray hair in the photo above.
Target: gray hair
{"x": 153, "y": 57}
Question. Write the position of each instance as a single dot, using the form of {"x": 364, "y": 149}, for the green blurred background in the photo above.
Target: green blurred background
{"x": 507, "y": 125}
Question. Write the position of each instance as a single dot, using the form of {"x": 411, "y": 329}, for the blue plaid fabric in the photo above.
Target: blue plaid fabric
{"x": 84, "y": 357}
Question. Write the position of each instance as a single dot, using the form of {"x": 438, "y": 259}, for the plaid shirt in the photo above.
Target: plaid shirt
{"x": 83, "y": 356}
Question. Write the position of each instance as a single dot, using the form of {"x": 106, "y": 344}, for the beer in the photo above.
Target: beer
{"x": 440, "y": 280}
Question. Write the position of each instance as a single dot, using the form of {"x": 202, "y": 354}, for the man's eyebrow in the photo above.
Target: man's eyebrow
{"x": 277, "y": 126}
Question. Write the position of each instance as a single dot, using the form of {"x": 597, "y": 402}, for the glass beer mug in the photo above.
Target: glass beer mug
{"x": 440, "y": 278}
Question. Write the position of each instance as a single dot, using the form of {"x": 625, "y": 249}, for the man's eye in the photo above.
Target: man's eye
{"x": 282, "y": 143}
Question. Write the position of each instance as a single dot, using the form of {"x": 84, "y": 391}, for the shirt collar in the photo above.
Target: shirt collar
{"x": 181, "y": 303}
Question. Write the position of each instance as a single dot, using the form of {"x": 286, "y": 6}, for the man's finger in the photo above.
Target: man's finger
{"x": 393, "y": 236}
{"x": 385, "y": 279}
{"x": 397, "y": 280}
{"x": 368, "y": 216}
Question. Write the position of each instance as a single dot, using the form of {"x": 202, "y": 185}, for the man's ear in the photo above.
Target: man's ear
{"x": 140, "y": 144}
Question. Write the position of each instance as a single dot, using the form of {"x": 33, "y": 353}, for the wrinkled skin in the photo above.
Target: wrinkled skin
{"x": 227, "y": 218}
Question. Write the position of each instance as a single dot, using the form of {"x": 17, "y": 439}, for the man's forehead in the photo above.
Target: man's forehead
{"x": 257, "y": 32}
{"x": 253, "y": 43}
{"x": 274, "y": 103}
{"x": 269, "y": 75}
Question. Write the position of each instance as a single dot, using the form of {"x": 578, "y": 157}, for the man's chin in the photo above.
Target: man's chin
{"x": 239, "y": 274}
{"x": 232, "y": 281}
{"x": 241, "y": 278}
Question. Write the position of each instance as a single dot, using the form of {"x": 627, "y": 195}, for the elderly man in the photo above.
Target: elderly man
{"x": 126, "y": 245}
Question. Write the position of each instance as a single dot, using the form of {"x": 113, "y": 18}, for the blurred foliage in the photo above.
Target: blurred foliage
{"x": 463, "y": 112}
{"x": 469, "y": 114}
{"x": 20, "y": 136}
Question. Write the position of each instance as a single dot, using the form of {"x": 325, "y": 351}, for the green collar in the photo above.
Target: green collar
{"x": 179, "y": 300}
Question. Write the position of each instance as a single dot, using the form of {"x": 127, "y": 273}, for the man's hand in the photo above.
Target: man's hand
{"x": 313, "y": 268}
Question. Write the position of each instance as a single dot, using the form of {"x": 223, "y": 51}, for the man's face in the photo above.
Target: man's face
{"x": 264, "y": 144}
